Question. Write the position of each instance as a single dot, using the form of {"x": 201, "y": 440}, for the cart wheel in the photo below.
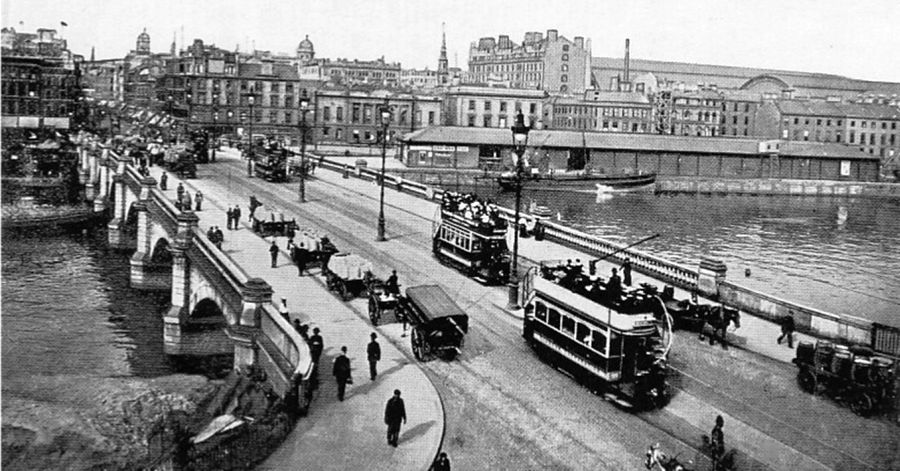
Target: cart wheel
{"x": 862, "y": 404}
{"x": 807, "y": 380}
{"x": 373, "y": 311}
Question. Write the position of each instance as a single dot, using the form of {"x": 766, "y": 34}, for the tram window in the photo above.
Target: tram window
{"x": 553, "y": 318}
{"x": 476, "y": 245}
{"x": 568, "y": 324}
{"x": 615, "y": 344}
{"x": 583, "y": 334}
{"x": 540, "y": 311}
{"x": 599, "y": 342}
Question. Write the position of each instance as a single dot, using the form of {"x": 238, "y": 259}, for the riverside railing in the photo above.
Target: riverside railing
{"x": 884, "y": 339}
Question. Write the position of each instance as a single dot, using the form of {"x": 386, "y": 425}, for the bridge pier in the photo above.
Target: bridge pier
{"x": 178, "y": 313}
{"x": 103, "y": 192}
{"x": 90, "y": 184}
{"x": 255, "y": 293}
{"x": 116, "y": 236}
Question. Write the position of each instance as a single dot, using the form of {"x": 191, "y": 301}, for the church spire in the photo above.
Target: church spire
{"x": 173, "y": 48}
{"x": 443, "y": 70}
{"x": 92, "y": 53}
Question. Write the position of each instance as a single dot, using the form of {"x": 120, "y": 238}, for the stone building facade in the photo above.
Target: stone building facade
{"x": 492, "y": 107}
{"x": 345, "y": 116}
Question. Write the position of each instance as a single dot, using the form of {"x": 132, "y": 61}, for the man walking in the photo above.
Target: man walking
{"x": 316, "y": 345}
{"x": 394, "y": 413}
{"x": 198, "y": 200}
{"x": 180, "y": 191}
{"x": 237, "y": 217}
{"x": 163, "y": 181}
{"x": 787, "y": 329}
{"x": 220, "y": 237}
{"x": 230, "y": 213}
{"x": 717, "y": 442}
{"x": 273, "y": 251}
{"x": 341, "y": 372}
{"x": 373, "y": 352}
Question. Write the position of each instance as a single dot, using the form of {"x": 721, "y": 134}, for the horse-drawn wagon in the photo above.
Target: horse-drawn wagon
{"x": 347, "y": 274}
{"x": 319, "y": 248}
{"x": 853, "y": 375}
{"x": 273, "y": 227}
{"x": 383, "y": 298}
{"x": 439, "y": 325}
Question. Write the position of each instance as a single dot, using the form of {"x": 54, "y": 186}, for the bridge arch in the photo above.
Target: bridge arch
{"x": 161, "y": 254}
{"x": 202, "y": 290}
{"x": 766, "y": 83}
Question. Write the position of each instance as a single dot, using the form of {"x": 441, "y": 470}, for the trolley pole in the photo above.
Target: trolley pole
{"x": 304, "y": 105}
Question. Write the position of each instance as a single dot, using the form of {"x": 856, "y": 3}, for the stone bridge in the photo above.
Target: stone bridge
{"x": 210, "y": 294}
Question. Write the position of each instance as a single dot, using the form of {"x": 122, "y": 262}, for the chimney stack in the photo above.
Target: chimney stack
{"x": 579, "y": 42}
{"x": 627, "y": 58}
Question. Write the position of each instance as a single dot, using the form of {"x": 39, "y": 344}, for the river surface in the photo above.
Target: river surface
{"x": 838, "y": 255}
{"x": 68, "y": 309}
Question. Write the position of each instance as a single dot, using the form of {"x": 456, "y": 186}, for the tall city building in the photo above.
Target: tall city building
{"x": 552, "y": 63}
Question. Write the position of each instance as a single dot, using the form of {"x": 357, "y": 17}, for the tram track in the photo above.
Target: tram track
{"x": 494, "y": 334}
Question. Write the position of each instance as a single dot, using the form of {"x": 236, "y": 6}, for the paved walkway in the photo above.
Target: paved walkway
{"x": 335, "y": 435}
{"x": 755, "y": 334}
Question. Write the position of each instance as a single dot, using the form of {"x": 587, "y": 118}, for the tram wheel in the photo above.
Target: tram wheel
{"x": 862, "y": 404}
{"x": 807, "y": 380}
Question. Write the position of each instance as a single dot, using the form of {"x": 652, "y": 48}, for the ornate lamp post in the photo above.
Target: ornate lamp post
{"x": 304, "y": 108}
{"x": 520, "y": 141}
{"x": 386, "y": 115}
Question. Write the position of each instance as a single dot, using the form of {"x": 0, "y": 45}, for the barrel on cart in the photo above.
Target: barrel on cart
{"x": 347, "y": 274}
{"x": 854, "y": 375}
{"x": 438, "y": 324}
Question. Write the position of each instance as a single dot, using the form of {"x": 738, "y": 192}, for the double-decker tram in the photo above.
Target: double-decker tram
{"x": 469, "y": 234}
{"x": 610, "y": 339}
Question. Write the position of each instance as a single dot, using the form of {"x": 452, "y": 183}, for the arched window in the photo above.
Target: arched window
{"x": 565, "y": 57}
{"x": 564, "y": 78}
{"x": 565, "y": 67}
{"x": 563, "y": 88}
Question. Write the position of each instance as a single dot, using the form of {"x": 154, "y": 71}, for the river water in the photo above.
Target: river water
{"x": 838, "y": 255}
{"x": 67, "y": 309}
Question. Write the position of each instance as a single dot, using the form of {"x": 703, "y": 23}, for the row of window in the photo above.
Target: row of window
{"x": 862, "y": 124}
{"x": 488, "y": 120}
{"x": 519, "y": 67}
{"x": 366, "y": 113}
{"x": 503, "y": 106}
{"x": 616, "y": 112}
{"x": 607, "y": 126}
{"x": 33, "y": 108}
{"x": 588, "y": 335}
{"x": 358, "y": 137}
{"x": 460, "y": 238}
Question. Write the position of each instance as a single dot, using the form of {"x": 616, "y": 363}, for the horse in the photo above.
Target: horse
{"x": 718, "y": 318}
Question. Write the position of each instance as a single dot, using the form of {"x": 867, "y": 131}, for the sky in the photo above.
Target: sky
{"x": 858, "y": 39}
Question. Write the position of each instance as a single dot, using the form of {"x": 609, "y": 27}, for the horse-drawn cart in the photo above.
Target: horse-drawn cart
{"x": 274, "y": 228}
{"x": 382, "y": 299}
{"x": 439, "y": 326}
{"x": 319, "y": 248}
{"x": 347, "y": 274}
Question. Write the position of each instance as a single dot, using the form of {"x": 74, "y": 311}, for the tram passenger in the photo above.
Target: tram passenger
{"x": 614, "y": 285}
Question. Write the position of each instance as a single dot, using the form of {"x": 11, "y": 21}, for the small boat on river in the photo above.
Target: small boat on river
{"x": 580, "y": 182}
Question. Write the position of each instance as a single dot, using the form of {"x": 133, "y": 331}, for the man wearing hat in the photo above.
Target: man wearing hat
{"x": 373, "y": 352}
{"x": 394, "y": 413}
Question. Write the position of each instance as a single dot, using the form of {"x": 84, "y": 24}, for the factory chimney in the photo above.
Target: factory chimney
{"x": 627, "y": 59}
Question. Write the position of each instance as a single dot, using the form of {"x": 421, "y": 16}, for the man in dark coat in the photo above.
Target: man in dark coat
{"x": 301, "y": 255}
{"x": 180, "y": 191}
{"x": 316, "y": 345}
{"x": 394, "y": 413}
{"x": 341, "y": 372}
{"x": 230, "y": 213}
{"x": 237, "y": 217}
{"x": 393, "y": 286}
{"x": 442, "y": 463}
{"x": 373, "y": 352}
{"x": 787, "y": 329}
{"x": 163, "y": 180}
{"x": 626, "y": 272}
{"x": 614, "y": 285}
{"x": 220, "y": 237}
{"x": 717, "y": 442}
{"x": 273, "y": 252}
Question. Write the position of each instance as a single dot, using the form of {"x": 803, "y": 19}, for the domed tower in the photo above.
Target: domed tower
{"x": 305, "y": 51}
{"x": 143, "y": 43}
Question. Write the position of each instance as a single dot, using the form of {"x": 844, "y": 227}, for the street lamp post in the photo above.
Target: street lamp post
{"x": 385, "y": 122}
{"x": 251, "y": 98}
{"x": 304, "y": 108}
{"x": 520, "y": 141}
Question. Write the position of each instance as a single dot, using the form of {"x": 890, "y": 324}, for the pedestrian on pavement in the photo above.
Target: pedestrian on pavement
{"x": 254, "y": 203}
{"x": 283, "y": 310}
{"x": 394, "y": 413}
{"x": 186, "y": 201}
{"x": 180, "y": 191}
{"x": 211, "y": 235}
{"x": 717, "y": 442}
{"x": 273, "y": 251}
{"x": 442, "y": 463}
{"x": 178, "y": 204}
{"x": 300, "y": 257}
{"x": 163, "y": 181}
{"x": 290, "y": 246}
{"x": 230, "y": 213}
{"x": 220, "y": 237}
{"x": 626, "y": 272}
{"x": 316, "y": 345}
{"x": 373, "y": 352}
{"x": 787, "y": 329}
{"x": 198, "y": 199}
{"x": 237, "y": 217}
{"x": 341, "y": 372}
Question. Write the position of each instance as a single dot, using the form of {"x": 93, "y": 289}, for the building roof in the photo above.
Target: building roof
{"x": 456, "y": 135}
{"x": 615, "y": 97}
{"x": 496, "y": 92}
{"x": 840, "y": 110}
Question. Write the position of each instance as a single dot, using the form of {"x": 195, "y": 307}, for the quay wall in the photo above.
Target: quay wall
{"x": 841, "y": 328}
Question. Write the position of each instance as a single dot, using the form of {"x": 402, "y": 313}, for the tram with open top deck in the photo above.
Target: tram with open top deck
{"x": 613, "y": 341}
{"x": 469, "y": 234}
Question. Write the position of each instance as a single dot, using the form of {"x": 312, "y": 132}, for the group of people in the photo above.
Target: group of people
{"x": 471, "y": 207}
{"x": 183, "y": 200}
{"x": 234, "y": 217}
{"x": 571, "y": 276}
{"x": 215, "y": 235}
